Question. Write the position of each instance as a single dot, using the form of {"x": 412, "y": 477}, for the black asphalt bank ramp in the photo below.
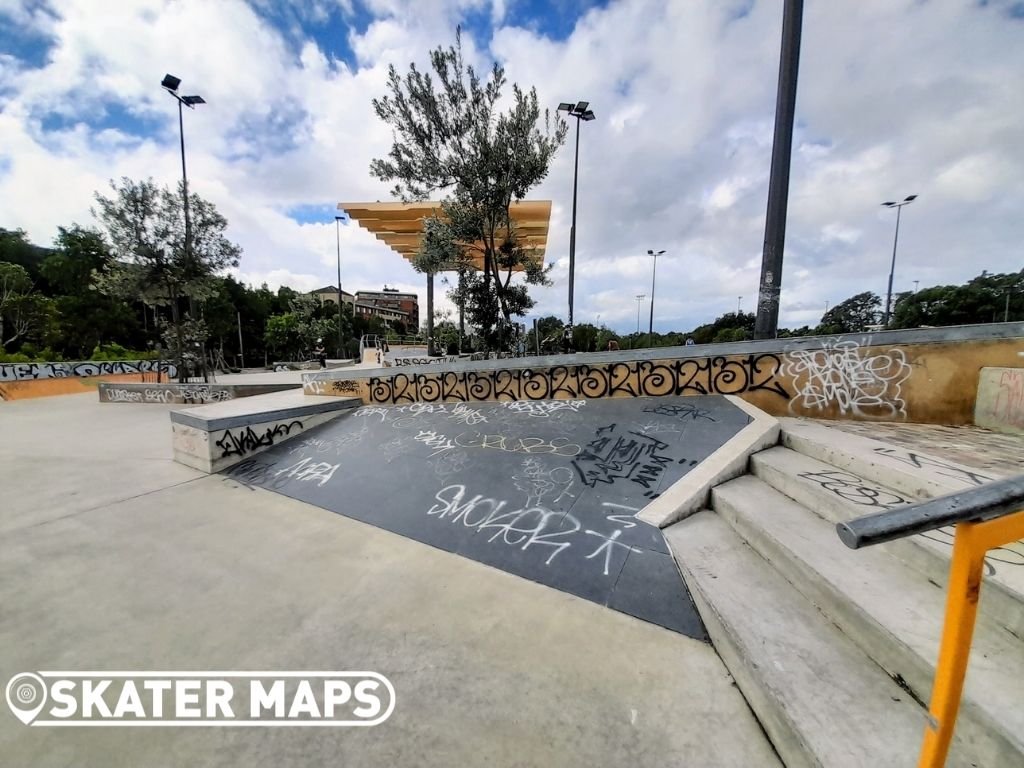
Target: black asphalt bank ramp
{"x": 547, "y": 490}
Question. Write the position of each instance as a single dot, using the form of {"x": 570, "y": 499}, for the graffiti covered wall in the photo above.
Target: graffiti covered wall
{"x": 917, "y": 376}
{"x": 33, "y": 371}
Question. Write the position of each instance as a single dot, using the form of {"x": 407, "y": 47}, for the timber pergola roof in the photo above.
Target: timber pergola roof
{"x": 400, "y": 225}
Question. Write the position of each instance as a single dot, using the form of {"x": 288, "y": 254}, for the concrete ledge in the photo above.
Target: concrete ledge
{"x": 213, "y": 437}
{"x": 692, "y": 492}
{"x": 183, "y": 393}
{"x": 276, "y": 406}
{"x": 309, "y": 365}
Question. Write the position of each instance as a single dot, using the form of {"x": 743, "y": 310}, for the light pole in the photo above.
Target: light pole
{"x": 639, "y": 298}
{"x": 739, "y": 303}
{"x": 581, "y": 112}
{"x": 170, "y": 84}
{"x": 654, "y": 274}
{"x": 916, "y": 283}
{"x": 337, "y": 228}
{"x": 888, "y": 296}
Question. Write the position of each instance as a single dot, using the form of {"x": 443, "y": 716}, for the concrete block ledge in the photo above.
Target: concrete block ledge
{"x": 693, "y": 491}
{"x": 185, "y": 394}
{"x": 213, "y": 437}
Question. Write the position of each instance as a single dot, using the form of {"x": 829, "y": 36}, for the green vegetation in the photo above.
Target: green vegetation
{"x": 451, "y": 140}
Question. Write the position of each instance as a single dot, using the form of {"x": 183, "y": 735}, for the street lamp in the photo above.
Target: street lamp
{"x": 888, "y": 296}
{"x": 654, "y": 274}
{"x": 170, "y": 84}
{"x": 581, "y": 112}
{"x": 739, "y": 304}
{"x": 639, "y": 298}
{"x": 337, "y": 228}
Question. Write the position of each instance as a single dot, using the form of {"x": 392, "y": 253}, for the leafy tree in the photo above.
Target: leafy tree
{"x": 293, "y": 335}
{"x": 732, "y": 326}
{"x": 853, "y": 315}
{"x": 450, "y": 138}
{"x": 156, "y": 261}
{"x": 984, "y": 299}
{"x": 86, "y": 318}
{"x": 16, "y": 249}
{"x": 17, "y": 304}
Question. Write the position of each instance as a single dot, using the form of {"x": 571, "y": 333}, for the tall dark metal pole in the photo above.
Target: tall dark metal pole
{"x": 184, "y": 184}
{"x": 892, "y": 269}
{"x": 650, "y": 326}
{"x": 767, "y": 323}
{"x": 572, "y": 230}
{"x": 337, "y": 229}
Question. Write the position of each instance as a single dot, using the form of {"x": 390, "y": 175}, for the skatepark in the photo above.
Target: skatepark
{"x": 588, "y": 559}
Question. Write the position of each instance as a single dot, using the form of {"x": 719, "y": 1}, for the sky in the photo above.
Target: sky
{"x": 895, "y": 97}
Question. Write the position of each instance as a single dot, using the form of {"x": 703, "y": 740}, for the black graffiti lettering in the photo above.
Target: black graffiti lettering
{"x": 247, "y": 441}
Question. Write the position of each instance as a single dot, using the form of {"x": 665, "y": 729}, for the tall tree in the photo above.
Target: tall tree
{"x": 145, "y": 228}
{"x": 450, "y": 139}
{"x": 853, "y": 315}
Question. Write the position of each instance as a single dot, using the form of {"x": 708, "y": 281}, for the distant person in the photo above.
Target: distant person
{"x": 567, "y": 339}
{"x": 689, "y": 342}
{"x": 613, "y": 345}
{"x": 320, "y": 353}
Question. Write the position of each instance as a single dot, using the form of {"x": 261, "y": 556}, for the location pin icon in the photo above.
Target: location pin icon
{"x": 26, "y": 695}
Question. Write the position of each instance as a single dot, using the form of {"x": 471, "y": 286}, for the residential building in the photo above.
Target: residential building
{"x": 390, "y": 304}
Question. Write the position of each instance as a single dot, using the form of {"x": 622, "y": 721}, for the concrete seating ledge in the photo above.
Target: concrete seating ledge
{"x": 172, "y": 392}
{"x": 213, "y": 437}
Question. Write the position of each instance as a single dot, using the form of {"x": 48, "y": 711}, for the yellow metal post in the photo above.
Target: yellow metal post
{"x": 970, "y": 544}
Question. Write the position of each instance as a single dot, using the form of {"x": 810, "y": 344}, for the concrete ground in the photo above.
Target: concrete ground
{"x": 114, "y": 557}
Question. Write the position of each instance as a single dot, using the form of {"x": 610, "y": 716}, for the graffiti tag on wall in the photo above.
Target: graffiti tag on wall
{"x": 702, "y": 376}
{"x": 842, "y": 375}
{"x": 29, "y": 371}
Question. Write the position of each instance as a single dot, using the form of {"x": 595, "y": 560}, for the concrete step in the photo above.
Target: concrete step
{"x": 890, "y": 610}
{"x": 909, "y": 472}
{"x": 821, "y": 700}
{"x": 839, "y": 495}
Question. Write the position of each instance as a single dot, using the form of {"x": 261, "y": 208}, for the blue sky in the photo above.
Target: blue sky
{"x": 896, "y": 97}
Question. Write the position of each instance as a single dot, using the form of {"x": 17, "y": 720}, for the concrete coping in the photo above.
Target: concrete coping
{"x": 944, "y": 335}
{"x": 276, "y": 406}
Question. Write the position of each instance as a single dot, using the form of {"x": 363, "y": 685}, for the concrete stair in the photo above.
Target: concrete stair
{"x": 835, "y": 649}
{"x": 839, "y": 495}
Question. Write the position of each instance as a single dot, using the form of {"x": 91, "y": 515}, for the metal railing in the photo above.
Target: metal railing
{"x": 985, "y": 517}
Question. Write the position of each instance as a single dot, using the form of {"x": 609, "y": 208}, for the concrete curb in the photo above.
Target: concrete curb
{"x": 693, "y": 491}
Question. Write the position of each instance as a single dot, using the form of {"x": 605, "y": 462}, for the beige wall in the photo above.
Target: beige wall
{"x": 832, "y": 378}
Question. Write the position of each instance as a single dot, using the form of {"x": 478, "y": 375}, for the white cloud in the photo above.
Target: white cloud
{"x": 893, "y": 100}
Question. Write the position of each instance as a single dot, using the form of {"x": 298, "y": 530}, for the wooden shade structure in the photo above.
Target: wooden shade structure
{"x": 400, "y": 225}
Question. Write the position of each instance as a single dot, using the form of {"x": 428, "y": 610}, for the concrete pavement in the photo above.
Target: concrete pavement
{"x": 113, "y": 557}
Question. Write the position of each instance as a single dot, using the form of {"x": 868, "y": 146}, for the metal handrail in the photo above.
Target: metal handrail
{"x": 985, "y": 517}
{"x": 975, "y": 505}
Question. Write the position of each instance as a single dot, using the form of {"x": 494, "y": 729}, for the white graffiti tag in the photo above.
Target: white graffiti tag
{"x": 439, "y": 442}
{"x": 843, "y": 375}
{"x": 307, "y": 469}
{"x": 543, "y": 409}
{"x": 537, "y": 482}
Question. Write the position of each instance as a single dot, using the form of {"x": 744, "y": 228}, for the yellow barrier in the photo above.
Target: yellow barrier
{"x": 971, "y": 543}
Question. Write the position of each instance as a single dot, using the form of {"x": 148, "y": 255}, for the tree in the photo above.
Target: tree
{"x": 85, "y": 317}
{"x": 450, "y": 138}
{"x": 145, "y": 229}
{"x": 853, "y": 315}
{"x": 16, "y": 303}
{"x": 294, "y": 334}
